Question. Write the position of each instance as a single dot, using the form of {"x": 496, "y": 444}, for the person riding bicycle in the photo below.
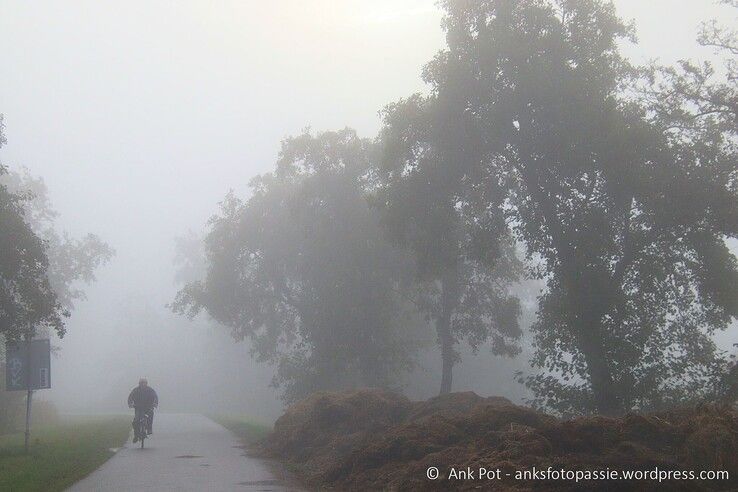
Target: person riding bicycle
{"x": 143, "y": 399}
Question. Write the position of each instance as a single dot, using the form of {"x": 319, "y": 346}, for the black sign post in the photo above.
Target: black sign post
{"x": 28, "y": 368}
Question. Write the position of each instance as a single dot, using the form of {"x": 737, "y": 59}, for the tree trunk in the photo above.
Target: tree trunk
{"x": 449, "y": 293}
{"x": 587, "y": 327}
{"x": 447, "y": 354}
{"x": 606, "y": 397}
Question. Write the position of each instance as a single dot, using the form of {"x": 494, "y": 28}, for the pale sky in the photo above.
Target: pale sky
{"x": 141, "y": 116}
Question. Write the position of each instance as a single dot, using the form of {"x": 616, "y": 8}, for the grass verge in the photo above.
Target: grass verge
{"x": 247, "y": 430}
{"x": 60, "y": 454}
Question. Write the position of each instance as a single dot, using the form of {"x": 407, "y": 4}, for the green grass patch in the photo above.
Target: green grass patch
{"x": 246, "y": 428}
{"x": 60, "y": 454}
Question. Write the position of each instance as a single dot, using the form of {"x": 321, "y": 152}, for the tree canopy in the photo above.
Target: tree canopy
{"x": 71, "y": 260}
{"x": 465, "y": 263}
{"x": 637, "y": 276}
{"x": 27, "y": 300}
{"x": 41, "y": 267}
{"x": 539, "y": 142}
{"x": 301, "y": 269}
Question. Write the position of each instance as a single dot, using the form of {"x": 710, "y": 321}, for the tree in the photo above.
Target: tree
{"x": 465, "y": 263}
{"x": 602, "y": 198}
{"x": 302, "y": 271}
{"x": 727, "y": 388}
{"x": 27, "y": 300}
{"x": 39, "y": 268}
{"x": 70, "y": 260}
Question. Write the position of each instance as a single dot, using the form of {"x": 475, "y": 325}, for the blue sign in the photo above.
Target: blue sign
{"x": 28, "y": 363}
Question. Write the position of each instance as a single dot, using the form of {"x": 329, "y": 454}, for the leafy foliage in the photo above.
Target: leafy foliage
{"x": 638, "y": 277}
{"x": 618, "y": 183}
{"x": 465, "y": 261}
{"x": 302, "y": 271}
{"x": 39, "y": 268}
{"x": 27, "y": 299}
{"x": 71, "y": 260}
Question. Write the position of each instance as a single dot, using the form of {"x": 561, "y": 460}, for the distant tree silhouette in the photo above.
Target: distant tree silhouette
{"x": 301, "y": 269}
{"x": 71, "y": 260}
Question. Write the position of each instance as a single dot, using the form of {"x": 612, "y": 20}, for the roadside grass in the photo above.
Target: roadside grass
{"x": 246, "y": 428}
{"x": 60, "y": 454}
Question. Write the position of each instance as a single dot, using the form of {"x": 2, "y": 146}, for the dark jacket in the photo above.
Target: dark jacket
{"x": 143, "y": 397}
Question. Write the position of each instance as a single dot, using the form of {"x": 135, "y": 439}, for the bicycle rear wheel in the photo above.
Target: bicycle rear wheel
{"x": 139, "y": 431}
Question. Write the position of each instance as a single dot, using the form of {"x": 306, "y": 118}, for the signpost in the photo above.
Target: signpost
{"x": 28, "y": 365}
{"x": 28, "y": 368}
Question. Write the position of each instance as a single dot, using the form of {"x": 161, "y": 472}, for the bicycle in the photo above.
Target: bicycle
{"x": 141, "y": 427}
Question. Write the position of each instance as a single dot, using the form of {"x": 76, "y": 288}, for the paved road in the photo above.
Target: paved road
{"x": 186, "y": 452}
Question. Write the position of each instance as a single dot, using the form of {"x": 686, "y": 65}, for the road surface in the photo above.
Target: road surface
{"x": 186, "y": 452}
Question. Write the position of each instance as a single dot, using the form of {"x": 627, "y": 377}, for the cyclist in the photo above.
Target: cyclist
{"x": 143, "y": 399}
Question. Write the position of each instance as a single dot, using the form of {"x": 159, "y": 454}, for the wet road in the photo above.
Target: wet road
{"x": 186, "y": 452}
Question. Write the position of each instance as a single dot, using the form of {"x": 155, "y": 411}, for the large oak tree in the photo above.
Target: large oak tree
{"x": 624, "y": 223}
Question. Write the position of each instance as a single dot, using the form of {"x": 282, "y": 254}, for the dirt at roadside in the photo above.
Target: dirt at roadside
{"x": 377, "y": 440}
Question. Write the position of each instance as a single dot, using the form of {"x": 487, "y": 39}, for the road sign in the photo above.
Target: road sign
{"x": 22, "y": 357}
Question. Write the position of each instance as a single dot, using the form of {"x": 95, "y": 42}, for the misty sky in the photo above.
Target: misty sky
{"x": 140, "y": 117}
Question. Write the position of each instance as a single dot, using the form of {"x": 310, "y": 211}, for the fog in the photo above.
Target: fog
{"x": 140, "y": 117}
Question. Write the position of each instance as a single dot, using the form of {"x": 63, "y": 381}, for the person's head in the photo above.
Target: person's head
{"x": 143, "y": 382}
